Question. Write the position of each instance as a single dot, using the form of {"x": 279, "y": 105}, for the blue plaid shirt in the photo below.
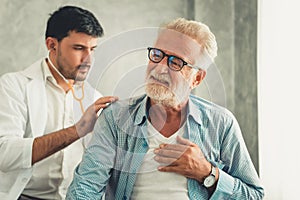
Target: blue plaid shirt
{"x": 115, "y": 154}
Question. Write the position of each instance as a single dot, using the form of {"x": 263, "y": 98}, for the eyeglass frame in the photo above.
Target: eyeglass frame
{"x": 168, "y": 59}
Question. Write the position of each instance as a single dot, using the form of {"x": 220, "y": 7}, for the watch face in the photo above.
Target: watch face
{"x": 209, "y": 181}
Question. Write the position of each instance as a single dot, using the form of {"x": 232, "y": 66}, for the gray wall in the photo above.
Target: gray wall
{"x": 245, "y": 73}
{"x": 231, "y": 82}
{"x": 234, "y": 23}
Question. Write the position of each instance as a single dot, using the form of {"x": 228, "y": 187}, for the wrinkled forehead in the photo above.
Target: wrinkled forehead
{"x": 176, "y": 42}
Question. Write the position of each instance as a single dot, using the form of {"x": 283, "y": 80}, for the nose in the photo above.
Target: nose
{"x": 162, "y": 66}
{"x": 87, "y": 56}
{"x": 164, "y": 61}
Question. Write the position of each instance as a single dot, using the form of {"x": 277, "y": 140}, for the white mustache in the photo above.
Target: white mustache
{"x": 160, "y": 77}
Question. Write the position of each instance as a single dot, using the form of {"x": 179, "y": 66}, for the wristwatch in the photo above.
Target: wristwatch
{"x": 211, "y": 178}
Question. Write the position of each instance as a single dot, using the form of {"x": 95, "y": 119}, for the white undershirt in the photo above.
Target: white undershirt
{"x": 56, "y": 171}
{"x": 152, "y": 184}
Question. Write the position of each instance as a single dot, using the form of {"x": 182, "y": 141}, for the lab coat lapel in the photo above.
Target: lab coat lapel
{"x": 36, "y": 97}
{"x": 37, "y": 108}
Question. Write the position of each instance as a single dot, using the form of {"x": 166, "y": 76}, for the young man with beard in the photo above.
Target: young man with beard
{"x": 41, "y": 134}
{"x": 169, "y": 144}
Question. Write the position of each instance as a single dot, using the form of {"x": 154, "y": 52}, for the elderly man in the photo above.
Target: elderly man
{"x": 169, "y": 144}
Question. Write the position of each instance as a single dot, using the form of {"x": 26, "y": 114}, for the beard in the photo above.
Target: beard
{"x": 82, "y": 72}
{"x": 78, "y": 74}
{"x": 158, "y": 88}
{"x": 161, "y": 95}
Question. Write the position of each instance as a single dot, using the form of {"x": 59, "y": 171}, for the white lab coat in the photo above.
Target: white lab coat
{"x": 23, "y": 117}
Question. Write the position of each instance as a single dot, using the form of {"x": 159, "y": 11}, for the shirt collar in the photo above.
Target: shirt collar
{"x": 195, "y": 111}
{"x": 142, "y": 110}
{"x": 48, "y": 76}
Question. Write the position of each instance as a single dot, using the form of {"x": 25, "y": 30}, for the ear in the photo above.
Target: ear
{"x": 51, "y": 43}
{"x": 199, "y": 76}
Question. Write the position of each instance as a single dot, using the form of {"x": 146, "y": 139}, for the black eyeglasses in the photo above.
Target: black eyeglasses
{"x": 174, "y": 63}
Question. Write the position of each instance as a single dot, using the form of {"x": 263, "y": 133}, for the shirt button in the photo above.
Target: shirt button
{"x": 145, "y": 144}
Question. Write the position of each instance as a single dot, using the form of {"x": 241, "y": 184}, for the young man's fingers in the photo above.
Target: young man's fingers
{"x": 106, "y": 99}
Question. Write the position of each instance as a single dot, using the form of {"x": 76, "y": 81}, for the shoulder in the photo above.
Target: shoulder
{"x": 207, "y": 109}
{"x": 126, "y": 105}
{"x": 204, "y": 104}
{"x": 13, "y": 79}
{"x": 216, "y": 119}
{"x": 18, "y": 80}
{"x": 32, "y": 71}
{"x": 126, "y": 108}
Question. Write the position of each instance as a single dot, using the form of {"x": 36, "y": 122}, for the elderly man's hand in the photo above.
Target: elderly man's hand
{"x": 184, "y": 158}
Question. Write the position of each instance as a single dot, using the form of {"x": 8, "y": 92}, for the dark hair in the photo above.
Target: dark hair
{"x": 71, "y": 18}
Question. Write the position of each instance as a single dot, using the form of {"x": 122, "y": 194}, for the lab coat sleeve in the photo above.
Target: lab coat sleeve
{"x": 15, "y": 145}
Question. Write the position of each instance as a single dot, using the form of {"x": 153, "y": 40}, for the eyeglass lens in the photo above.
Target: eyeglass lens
{"x": 174, "y": 63}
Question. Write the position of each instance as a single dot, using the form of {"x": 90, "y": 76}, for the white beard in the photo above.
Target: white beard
{"x": 161, "y": 95}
